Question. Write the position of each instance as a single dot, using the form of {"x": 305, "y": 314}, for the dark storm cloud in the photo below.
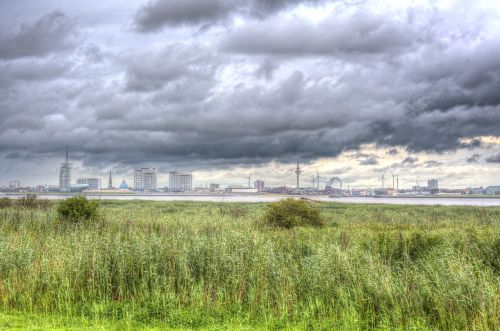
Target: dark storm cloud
{"x": 269, "y": 87}
{"x": 493, "y": 159}
{"x": 157, "y": 14}
{"x": 51, "y": 33}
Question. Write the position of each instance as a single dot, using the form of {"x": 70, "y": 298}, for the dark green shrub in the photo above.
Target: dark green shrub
{"x": 77, "y": 209}
{"x": 30, "y": 201}
{"x": 5, "y": 203}
{"x": 289, "y": 213}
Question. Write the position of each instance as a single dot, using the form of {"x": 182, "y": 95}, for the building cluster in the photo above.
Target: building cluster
{"x": 146, "y": 180}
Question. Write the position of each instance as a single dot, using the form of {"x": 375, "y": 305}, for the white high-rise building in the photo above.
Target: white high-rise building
{"x": 180, "y": 182}
{"x": 145, "y": 179}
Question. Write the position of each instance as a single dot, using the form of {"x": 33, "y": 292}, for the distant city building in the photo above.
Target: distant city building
{"x": 47, "y": 188}
{"x": 14, "y": 184}
{"x": 179, "y": 181}
{"x": 214, "y": 187}
{"x": 493, "y": 190}
{"x": 433, "y": 184}
{"x": 477, "y": 190}
{"x": 123, "y": 185}
{"x": 238, "y": 189}
{"x": 65, "y": 175}
{"x": 93, "y": 183}
{"x": 259, "y": 185}
{"x": 145, "y": 179}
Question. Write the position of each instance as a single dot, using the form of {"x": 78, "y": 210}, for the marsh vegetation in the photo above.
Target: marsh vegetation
{"x": 207, "y": 265}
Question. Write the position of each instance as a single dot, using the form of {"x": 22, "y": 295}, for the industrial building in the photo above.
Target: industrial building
{"x": 65, "y": 175}
{"x": 179, "y": 181}
{"x": 93, "y": 183}
{"x": 493, "y": 190}
{"x": 145, "y": 179}
{"x": 239, "y": 189}
{"x": 259, "y": 185}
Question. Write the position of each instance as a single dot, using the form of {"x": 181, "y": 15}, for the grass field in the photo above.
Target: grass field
{"x": 157, "y": 265}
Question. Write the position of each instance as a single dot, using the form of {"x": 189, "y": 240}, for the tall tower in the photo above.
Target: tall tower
{"x": 298, "y": 172}
{"x": 65, "y": 174}
{"x": 110, "y": 183}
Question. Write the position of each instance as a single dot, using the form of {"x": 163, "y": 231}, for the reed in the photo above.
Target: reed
{"x": 208, "y": 265}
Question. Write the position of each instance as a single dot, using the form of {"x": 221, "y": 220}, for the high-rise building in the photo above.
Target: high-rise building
{"x": 433, "y": 184}
{"x": 145, "y": 179}
{"x": 259, "y": 185}
{"x": 14, "y": 184}
{"x": 179, "y": 181}
{"x": 93, "y": 183}
{"x": 65, "y": 175}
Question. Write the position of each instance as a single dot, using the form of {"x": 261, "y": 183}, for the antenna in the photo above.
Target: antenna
{"x": 383, "y": 179}
{"x": 67, "y": 154}
{"x": 297, "y": 172}
{"x": 317, "y": 178}
{"x": 250, "y": 180}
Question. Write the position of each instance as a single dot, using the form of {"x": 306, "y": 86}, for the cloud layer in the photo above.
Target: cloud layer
{"x": 224, "y": 83}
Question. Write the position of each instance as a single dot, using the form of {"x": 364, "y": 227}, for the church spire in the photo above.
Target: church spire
{"x": 110, "y": 183}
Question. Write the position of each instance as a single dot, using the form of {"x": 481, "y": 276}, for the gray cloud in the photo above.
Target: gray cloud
{"x": 51, "y": 33}
{"x": 369, "y": 161}
{"x": 493, "y": 159}
{"x": 474, "y": 158}
{"x": 265, "y": 88}
{"x": 157, "y": 14}
{"x": 173, "y": 63}
{"x": 345, "y": 33}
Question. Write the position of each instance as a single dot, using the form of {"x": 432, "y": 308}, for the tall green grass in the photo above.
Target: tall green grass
{"x": 198, "y": 265}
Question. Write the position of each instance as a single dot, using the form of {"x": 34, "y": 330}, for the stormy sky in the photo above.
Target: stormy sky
{"x": 225, "y": 87}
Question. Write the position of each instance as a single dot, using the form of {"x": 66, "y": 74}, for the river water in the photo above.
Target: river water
{"x": 445, "y": 201}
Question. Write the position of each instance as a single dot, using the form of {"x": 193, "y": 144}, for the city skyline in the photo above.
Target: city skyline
{"x": 222, "y": 88}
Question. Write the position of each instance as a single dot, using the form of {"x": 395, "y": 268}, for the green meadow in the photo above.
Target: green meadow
{"x": 211, "y": 266}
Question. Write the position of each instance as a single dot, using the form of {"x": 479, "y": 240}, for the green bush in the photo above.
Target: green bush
{"x": 5, "y": 203}
{"x": 29, "y": 201}
{"x": 289, "y": 213}
{"x": 77, "y": 209}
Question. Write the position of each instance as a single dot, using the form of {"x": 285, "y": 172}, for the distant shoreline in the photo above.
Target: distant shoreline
{"x": 263, "y": 194}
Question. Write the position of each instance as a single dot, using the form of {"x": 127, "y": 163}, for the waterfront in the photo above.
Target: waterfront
{"x": 251, "y": 198}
